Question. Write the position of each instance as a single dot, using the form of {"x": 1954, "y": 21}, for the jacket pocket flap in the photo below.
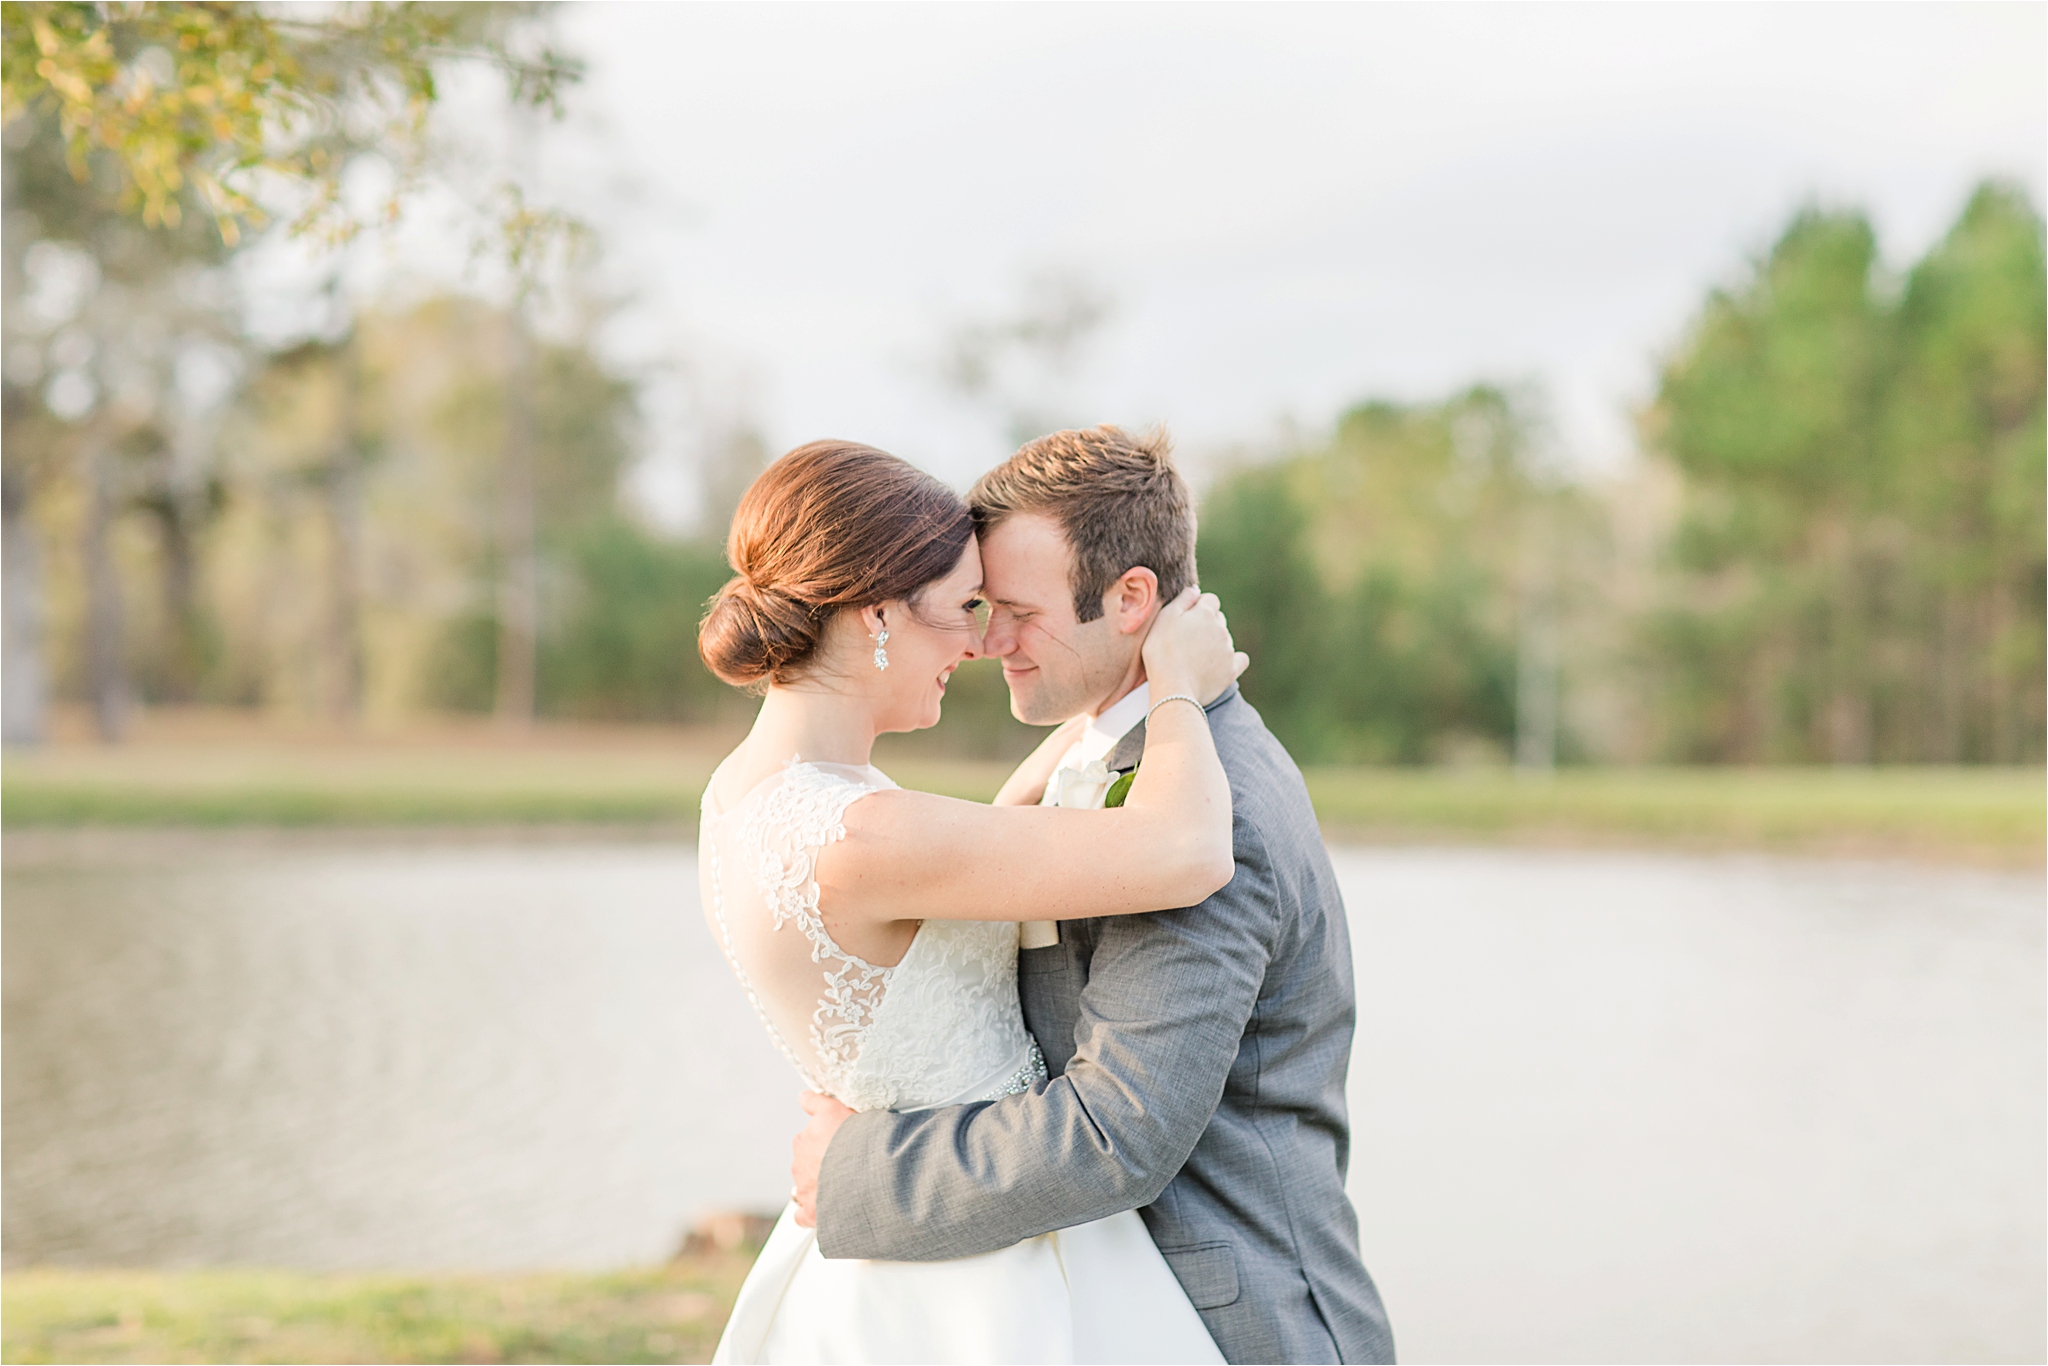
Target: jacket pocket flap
{"x": 1207, "y": 1271}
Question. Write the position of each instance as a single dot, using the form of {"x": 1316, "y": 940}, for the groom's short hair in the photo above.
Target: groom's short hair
{"x": 1116, "y": 496}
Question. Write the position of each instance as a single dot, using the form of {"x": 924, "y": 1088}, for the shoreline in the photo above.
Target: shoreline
{"x": 24, "y": 847}
{"x": 464, "y": 781}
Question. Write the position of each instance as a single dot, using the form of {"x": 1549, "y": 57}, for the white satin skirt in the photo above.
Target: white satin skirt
{"x": 1099, "y": 1292}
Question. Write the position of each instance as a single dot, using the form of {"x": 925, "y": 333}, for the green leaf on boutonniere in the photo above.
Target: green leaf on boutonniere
{"x": 1119, "y": 789}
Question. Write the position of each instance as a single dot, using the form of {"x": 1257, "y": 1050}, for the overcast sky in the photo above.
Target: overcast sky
{"x": 1290, "y": 207}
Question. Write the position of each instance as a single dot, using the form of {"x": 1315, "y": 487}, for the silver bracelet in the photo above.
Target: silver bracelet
{"x": 1174, "y": 697}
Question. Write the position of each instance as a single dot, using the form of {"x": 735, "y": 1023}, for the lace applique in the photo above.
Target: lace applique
{"x": 932, "y": 1030}
{"x": 780, "y": 837}
{"x": 951, "y": 1019}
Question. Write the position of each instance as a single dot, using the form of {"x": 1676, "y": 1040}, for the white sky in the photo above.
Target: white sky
{"x": 1292, "y": 207}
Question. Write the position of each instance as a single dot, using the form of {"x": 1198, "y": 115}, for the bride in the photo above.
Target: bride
{"x": 874, "y": 929}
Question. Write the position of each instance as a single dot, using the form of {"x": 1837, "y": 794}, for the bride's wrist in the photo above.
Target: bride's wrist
{"x": 1173, "y": 681}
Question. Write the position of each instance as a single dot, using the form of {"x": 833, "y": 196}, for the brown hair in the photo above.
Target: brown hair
{"x": 830, "y": 525}
{"x": 1117, "y": 498}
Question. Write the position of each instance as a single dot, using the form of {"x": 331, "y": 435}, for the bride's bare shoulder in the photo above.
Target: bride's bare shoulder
{"x": 747, "y": 772}
{"x": 736, "y": 775}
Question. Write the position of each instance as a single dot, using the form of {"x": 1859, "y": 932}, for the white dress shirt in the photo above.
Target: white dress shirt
{"x": 1105, "y": 730}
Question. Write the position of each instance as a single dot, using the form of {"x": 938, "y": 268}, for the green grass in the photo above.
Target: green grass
{"x": 1996, "y": 815}
{"x": 29, "y": 802}
{"x": 34, "y": 801}
{"x": 671, "y": 1313}
{"x": 249, "y": 777}
{"x": 239, "y": 774}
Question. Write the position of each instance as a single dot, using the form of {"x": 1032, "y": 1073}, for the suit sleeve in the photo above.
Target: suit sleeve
{"x": 1160, "y": 1024}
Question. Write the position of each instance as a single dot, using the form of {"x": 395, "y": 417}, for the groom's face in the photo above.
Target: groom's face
{"x": 1057, "y": 666}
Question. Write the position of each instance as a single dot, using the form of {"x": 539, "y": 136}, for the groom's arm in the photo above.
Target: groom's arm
{"x": 1160, "y": 1024}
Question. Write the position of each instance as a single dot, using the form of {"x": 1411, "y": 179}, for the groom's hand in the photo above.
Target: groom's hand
{"x": 808, "y": 1152}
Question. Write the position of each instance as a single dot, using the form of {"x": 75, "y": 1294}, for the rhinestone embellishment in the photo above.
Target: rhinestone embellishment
{"x": 1024, "y": 1078}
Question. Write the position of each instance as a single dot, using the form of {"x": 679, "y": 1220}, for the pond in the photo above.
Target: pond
{"x": 1606, "y": 1106}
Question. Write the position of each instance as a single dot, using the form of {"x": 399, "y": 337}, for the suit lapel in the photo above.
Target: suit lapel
{"x": 1128, "y": 751}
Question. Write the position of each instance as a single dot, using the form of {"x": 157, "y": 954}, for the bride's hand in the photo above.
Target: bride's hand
{"x": 1189, "y": 649}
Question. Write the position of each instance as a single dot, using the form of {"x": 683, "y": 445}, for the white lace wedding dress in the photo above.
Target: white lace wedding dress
{"x": 942, "y": 1027}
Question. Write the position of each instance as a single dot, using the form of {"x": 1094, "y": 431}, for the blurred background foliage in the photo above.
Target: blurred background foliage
{"x": 1831, "y": 551}
{"x": 1378, "y": 580}
{"x": 1857, "y": 571}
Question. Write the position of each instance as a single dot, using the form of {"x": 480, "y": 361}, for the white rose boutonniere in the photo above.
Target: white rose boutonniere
{"x": 1083, "y": 788}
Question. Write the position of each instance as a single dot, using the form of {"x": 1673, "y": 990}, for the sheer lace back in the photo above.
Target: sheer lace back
{"x": 940, "y": 1026}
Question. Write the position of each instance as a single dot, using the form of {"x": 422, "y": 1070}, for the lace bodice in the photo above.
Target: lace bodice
{"x": 940, "y": 1027}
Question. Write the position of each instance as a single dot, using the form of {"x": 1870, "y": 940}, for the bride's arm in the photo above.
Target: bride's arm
{"x": 1027, "y": 784}
{"x": 915, "y": 856}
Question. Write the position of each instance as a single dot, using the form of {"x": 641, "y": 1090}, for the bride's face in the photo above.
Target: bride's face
{"x": 927, "y": 641}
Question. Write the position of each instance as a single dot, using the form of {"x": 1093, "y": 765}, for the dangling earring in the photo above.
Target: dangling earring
{"x": 881, "y": 655}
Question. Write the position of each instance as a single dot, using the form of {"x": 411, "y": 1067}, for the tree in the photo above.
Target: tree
{"x": 1857, "y": 574}
{"x": 152, "y": 139}
{"x": 101, "y": 314}
{"x": 1376, "y": 579}
{"x": 626, "y": 647}
{"x": 178, "y": 108}
{"x": 581, "y": 432}
{"x": 1770, "y": 410}
{"x": 1965, "y": 449}
{"x": 1254, "y": 555}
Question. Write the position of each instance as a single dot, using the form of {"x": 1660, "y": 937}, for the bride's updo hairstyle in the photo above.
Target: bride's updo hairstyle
{"x": 830, "y": 525}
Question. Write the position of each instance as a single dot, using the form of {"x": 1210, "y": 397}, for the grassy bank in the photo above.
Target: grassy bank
{"x": 226, "y": 771}
{"x": 1978, "y": 815}
{"x": 671, "y": 1313}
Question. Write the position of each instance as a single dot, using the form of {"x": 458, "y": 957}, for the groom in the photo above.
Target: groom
{"x": 1198, "y": 1056}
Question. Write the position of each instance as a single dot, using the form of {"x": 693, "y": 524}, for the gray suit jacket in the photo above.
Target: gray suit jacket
{"x": 1198, "y": 1059}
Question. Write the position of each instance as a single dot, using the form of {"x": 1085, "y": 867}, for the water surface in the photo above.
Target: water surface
{"x": 1607, "y": 1106}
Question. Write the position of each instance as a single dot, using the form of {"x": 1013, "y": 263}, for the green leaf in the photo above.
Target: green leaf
{"x": 1119, "y": 789}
